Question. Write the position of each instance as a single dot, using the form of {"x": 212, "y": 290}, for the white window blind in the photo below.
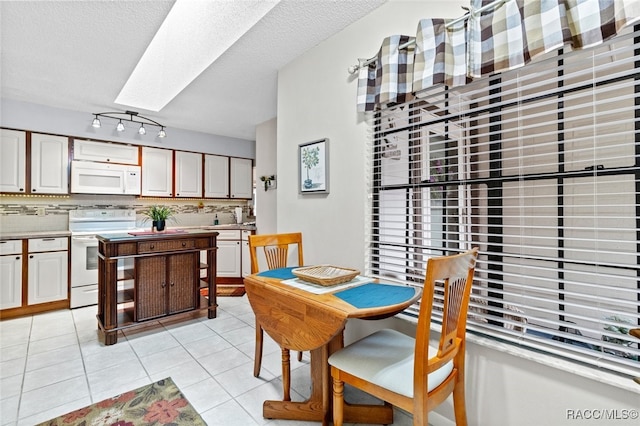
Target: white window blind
{"x": 540, "y": 168}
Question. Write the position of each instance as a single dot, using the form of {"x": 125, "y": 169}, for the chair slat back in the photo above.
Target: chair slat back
{"x": 276, "y": 249}
{"x": 453, "y": 276}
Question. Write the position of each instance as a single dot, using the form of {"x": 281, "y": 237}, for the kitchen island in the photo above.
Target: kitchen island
{"x": 165, "y": 279}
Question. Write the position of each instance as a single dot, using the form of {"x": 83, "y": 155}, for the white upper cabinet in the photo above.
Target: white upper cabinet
{"x": 49, "y": 164}
{"x": 188, "y": 174}
{"x": 241, "y": 178}
{"x": 216, "y": 176}
{"x": 13, "y": 161}
{"x": 157, "y": 172}
{"x": 105, "y": 152}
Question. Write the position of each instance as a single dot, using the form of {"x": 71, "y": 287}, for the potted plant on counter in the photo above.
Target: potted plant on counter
{"x": 159, "y": 216}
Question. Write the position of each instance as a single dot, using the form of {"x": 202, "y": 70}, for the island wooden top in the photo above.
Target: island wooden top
{"x": 149, "y": 235}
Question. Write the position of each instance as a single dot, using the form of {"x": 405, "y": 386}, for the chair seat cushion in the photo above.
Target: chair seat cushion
{"x": 385, "y": 358}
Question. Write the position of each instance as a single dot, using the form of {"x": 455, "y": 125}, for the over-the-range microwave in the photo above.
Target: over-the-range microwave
{"x": 88, "y": 177}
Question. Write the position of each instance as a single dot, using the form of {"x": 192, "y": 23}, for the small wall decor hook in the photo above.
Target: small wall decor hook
{"x": 267, "y": 181}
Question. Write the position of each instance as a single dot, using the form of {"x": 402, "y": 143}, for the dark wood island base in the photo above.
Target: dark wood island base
{"x": 165, "y": 279}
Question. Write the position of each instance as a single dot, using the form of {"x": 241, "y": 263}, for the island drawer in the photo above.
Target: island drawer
{"x": 172, "y": 245}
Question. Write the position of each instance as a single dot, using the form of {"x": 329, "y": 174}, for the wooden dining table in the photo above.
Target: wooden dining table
{"x": 302, "y": 320}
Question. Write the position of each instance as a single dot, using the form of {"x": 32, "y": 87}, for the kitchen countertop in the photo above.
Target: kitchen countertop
{"x": 18, "y": 235}
{"x": 33, "y": 234}
{"x": 228, "y": 226}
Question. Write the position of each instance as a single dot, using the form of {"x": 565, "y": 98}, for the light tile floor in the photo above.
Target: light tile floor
{"x": 54, "y": 363}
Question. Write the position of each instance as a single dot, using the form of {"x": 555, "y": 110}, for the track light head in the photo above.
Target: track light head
{"x": 131, "y": 116}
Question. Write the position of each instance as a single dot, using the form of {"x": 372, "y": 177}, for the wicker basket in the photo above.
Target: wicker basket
{"x": 325, "y": 274}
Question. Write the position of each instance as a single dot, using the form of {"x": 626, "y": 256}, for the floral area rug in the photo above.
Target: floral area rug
{"x": 159, "y": 403}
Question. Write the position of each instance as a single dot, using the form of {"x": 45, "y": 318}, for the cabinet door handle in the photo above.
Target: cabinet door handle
{"x": 17, "y": 257}
{"x": 31, "y": 257}
{"x": 172, "y": 284}
{"x": 21, "y": 189}
{"x": 152, "y": 246}
{"x": 163, "y": 285}
{"x": 184, "y": 244}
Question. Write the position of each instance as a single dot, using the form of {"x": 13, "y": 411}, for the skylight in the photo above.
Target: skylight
{"x": 194, "y": 34}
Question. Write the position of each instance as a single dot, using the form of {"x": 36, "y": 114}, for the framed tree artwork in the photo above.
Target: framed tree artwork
{"x": 313, "y": 167}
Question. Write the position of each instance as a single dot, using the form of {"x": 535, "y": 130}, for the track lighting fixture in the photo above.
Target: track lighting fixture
{"x": 133, "y": 117}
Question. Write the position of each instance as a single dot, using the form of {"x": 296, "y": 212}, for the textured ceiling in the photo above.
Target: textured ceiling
{"x": 78, "y": 54}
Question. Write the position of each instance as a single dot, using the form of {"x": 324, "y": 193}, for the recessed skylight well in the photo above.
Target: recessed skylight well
{"x": 194, "y": 34}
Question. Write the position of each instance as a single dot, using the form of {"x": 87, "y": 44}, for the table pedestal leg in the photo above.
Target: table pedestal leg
{"x": 319, "y": 406}
{"x": 312, "y": 409}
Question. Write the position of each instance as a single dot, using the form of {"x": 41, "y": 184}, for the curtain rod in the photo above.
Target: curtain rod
{"x": 354, "y": 68}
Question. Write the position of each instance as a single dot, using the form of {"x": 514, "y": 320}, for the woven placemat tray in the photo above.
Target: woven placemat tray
{"x": 325, "y": 274}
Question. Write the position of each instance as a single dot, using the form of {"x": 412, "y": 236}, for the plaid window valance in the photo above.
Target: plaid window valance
{"x": 506, "y": 37}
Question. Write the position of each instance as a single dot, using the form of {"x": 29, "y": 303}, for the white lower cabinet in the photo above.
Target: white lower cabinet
{"x": 228, "y": 258}
{"x": 11, "y": 281}
{"x": 48, "y": 270}
{"x": 45, "y": 264}
{"x": 47, "y": 277}
{"x": 232, "y": 256}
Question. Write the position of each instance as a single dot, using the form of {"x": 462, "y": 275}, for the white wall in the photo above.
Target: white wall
{"x": 40, "y": 118}
{"x": 266, "y": 202}
{"x": 316, "y": 99}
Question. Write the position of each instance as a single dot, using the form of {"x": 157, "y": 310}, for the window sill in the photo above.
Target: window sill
{"x": 601, "y": 376}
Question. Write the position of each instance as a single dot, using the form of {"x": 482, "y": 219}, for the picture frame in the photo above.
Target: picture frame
{"x": 313, "y": 167}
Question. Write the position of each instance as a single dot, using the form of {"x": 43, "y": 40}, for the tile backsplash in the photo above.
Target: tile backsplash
{"x": 21, "y": 213}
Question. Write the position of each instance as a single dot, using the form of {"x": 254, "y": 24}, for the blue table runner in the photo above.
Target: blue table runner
{"x": 375, "y": 295}
{"x": 280, "y": 273}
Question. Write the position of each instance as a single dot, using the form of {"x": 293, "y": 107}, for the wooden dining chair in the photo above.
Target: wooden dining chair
{"x": 276, "y": 253}
{"x": 410, "y": 373}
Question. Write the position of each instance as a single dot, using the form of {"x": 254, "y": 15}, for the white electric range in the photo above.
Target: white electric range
{"x": 84, "y": 226}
